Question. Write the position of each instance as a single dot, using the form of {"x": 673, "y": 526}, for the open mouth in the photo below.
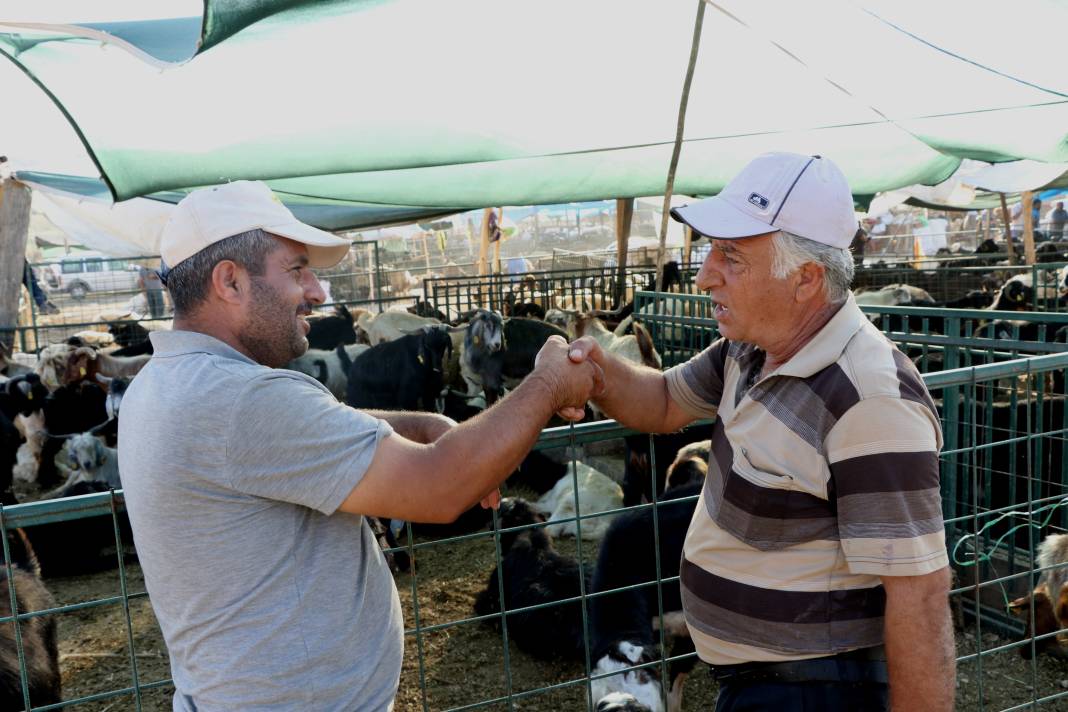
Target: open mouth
{"x": 719, "y": 311}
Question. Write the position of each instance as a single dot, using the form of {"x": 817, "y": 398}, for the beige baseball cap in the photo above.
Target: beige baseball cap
{"x": 208, "y": 215}
{"x": 804, "y": 195}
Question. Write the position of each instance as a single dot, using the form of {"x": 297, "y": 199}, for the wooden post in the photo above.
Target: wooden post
{"x": 497, "y": 244}
{"x": 988, "y": 214}
{"x": 14, "y": 231}
{"x": 1027, "y": 201}
{"x": 426, "y": 250}
{"x": 1007, "y": 222}
{"x": 483, "y": 250}
{"x": 624, "y": 217}
{"x": 687, "y": 245}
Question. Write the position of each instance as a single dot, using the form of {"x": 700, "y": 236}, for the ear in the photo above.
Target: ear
{"x": 809, "y": 283}
{"x": 229, "y": 282}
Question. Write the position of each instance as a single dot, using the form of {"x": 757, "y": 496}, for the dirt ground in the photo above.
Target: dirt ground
{"x": 460, "y": 665}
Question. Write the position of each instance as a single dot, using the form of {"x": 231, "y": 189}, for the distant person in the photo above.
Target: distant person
{"x": 1057, "y": 219}
{"x": 29, "y": 278}
{"x": 149, "y": 281}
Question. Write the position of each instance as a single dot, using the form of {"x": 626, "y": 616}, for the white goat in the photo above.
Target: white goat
{"x": 597, "y": 493}
{"x": 391, "y": 325}
{"x": 93, "y": 460}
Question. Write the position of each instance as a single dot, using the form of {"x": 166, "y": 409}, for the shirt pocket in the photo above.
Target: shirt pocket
{"x": 744, "y": 467}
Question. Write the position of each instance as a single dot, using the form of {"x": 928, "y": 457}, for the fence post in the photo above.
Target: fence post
{"x": 14, "y": 228}
{"x": 624, "y": 217}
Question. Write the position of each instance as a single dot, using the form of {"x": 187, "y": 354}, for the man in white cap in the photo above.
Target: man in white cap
{"x": 814, "y": 573}
{"x": 245, "y": 483}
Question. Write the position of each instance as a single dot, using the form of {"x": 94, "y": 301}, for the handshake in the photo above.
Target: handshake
{"x": 573, "y": 374}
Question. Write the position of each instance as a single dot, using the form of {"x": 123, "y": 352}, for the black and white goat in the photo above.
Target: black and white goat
{"x": 638, "y": 460}
{"x": 624, "y": 622}
{"x": 19, "y": 396}
{"x": 328, "y": 332}
{"x": 39, "y": 644}
{"x": 534, "y": 574}
{"x": 406, "y": 374}
{"x": 497, "y": 368}
{"x": 331, "y": 368}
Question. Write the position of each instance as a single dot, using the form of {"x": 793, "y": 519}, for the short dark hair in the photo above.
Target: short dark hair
{"x": 189, "y": 280}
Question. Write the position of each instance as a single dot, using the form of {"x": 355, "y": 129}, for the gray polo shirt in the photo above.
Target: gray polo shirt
{"x": 268, "y": 598}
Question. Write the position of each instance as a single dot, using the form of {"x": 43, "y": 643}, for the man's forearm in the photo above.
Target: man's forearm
{"x": 634, "y": 395}
{"x": 480, "y": 453}
{"x": 920, "y": 653}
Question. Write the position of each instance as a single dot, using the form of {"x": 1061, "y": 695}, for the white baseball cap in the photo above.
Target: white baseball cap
{"x": 209, "y": 215}
{"x": 804, "y": 195}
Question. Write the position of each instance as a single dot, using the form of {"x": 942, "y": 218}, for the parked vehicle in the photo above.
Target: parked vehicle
{"x": 91, "y": 272}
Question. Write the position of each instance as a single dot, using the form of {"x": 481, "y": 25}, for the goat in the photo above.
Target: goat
{"x": 20, "y": 396}
{"x": 9, "y": 365}
{"x": 535, "y": 573}
{"x": 1049, "y": 599}
{"x": 427, "y": 310}
{"x": 68, "y": 410}
{"x": 638, "y": 460}
{"x": 596, "y": 493}
{"x": 331, "y": 368}
{"x": 406, "y": 374}
{"x": 79, "y": 546}
{"x": 480, "y": 364}
{"x": 329, "y": 332}
{"x": 623, "y": 621}
{"x": 64, "y": 364}
{"x": 94, "y": 460}
{"x": 127, "y": 333}
{"x": 391, "y": 325}
{"x": 619, "y": 702}
{"x": 38, "y": 634}
{"x": 537, "y": 472}
{"x": 690, "y": 465}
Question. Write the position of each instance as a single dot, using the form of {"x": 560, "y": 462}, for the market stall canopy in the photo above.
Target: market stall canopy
{"x": 469, "y": 103}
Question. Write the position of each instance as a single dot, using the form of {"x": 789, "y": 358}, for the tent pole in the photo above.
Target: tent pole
{"x": 687, "y": 245}
{"x": 14, "y": 231}
{"x": 483, "y": 250}
{"x": 1008, "y": 229}
{"x": 624, "y": 217}
{"x": 497, "y": 244}
{"x": 1028, "y": 200}
{"x": 679, "y": 131}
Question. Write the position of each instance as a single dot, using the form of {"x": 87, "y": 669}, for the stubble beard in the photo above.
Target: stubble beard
{"x": 272, "y": 333}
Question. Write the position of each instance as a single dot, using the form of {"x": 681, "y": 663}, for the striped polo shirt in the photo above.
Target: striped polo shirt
{"x": 823, "y": 477}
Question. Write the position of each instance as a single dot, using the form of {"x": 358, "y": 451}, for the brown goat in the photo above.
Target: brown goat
{"x": 38, "y": 634}
{"x": 64, "y": 364}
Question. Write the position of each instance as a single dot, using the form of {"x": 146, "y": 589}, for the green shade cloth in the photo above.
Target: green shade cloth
{"x": 322, "y": 213}
{"x": 457, "y": 104}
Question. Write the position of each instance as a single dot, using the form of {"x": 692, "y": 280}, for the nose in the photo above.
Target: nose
{"x": 313, "y": 291}
{"x": 708, "y": 277}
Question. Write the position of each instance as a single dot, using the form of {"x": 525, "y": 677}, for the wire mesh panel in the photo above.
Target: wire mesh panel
{"x": 478, "y": 642}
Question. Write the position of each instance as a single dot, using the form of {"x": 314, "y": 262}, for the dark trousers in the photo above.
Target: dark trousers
{"x": 155, "y": 302}
{"x": 855, "y": 681}
{"x": 803, "y": 697}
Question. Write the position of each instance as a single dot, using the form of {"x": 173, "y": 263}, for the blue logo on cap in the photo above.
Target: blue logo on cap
{"x": 758, "y": 200}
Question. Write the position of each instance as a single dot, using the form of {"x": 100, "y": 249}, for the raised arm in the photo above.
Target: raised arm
{"x": 437, "y": 481}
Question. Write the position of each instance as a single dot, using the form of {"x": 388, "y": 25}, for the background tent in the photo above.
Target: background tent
{"x": 473, "y": 103}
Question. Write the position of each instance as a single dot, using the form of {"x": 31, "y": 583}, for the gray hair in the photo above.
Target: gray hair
{"x": 792, "y": 251}
{"x": 189, "y": 280}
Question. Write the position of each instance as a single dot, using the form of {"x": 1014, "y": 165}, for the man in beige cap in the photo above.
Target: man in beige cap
{"x": 814, "y": 573}
{"x": 246, "y": 484}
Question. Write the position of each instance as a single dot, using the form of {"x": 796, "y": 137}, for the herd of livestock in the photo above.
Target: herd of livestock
{"x": 59, "y": 410}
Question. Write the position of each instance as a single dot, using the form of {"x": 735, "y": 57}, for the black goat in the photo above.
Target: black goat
{"x": 79, "y": 546}
{"x": 637, "y": 462}
{"x": 426, "y": 309}
{"x": 40, "y": 648}
{"x": 127, "y": 333}
{"x": 329, "y": 332}
{"x": 535, "y": 573}
{"x": 523, "y": 338}
{"x": 406, "y": 374}
{"x": 68, "y": 410}
{"x": 623, "y": 622}
{"x": 22, "y": 395}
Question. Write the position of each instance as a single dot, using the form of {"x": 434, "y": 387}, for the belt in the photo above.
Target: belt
{"x": 863, "y": 665}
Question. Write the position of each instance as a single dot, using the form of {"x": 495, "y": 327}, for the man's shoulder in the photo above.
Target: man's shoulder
{"x": 877, "y": 368}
